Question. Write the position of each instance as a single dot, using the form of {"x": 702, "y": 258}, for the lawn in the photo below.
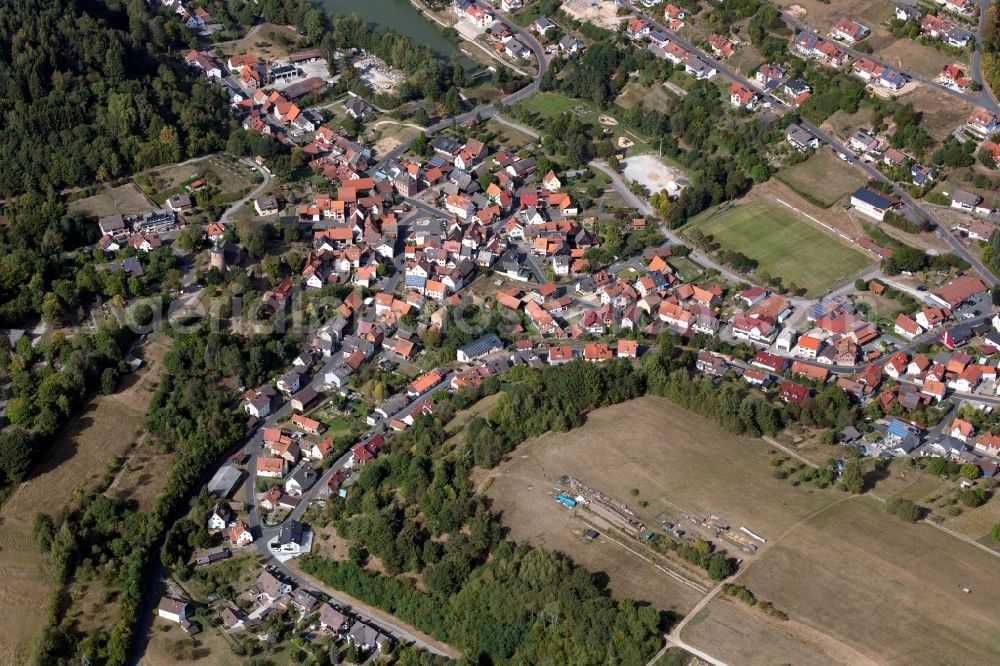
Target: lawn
{"x": 550, "y": 105}
{"x": 687, "y": 269}
{"x": 823, "y": 178}
{"x": 782, "y": 245}
{"x": 676, "y": 460}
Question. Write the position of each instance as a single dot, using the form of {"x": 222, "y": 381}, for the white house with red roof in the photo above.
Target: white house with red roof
{"x": 982, "y": 121}
{"x": 848, "y": 31}
{"x": 741, "y": 96}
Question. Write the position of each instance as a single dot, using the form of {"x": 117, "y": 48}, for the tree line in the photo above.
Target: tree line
{"x": 192, "y": 415}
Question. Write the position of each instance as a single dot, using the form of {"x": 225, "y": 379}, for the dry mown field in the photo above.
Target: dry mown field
{"x": 821, "y": 16}
{"x": 675, "y": 459}
{"x": 922, "y": 60}
{"x": 737, "y": 635}
{"x": 941, "y": 113}
{"x": 108, "y": 426}
{"x": 824, "y": 177}
{"x": 889, "y": 589}
{"x": 859, "y": 586}
{"x": 125, "y": 199}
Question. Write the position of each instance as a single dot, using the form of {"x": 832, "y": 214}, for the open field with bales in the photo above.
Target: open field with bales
{"x": 783, "y": 245}
{"x": 671, "y": 458}
{"x": 823, "y": 177}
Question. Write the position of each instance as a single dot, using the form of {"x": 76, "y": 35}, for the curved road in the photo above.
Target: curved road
{"x": 869, "y": 170}
{"x": 489, "y": 110}
{"x": 253, "y": 194}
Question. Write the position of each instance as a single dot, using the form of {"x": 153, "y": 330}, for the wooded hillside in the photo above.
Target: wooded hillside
{"x": 95, "y": 90}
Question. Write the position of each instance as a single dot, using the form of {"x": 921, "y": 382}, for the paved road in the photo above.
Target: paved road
{"x": 253, "y": 194}
{"x": 983, "y": 99}
{"x": 263, "y": 534}
{"x": 485, "y": 111}
{"x": 870, "y": 171}
{"x": 976, "y": 61}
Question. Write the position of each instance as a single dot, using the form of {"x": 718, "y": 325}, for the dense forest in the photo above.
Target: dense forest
{"x": 90, "y": 91}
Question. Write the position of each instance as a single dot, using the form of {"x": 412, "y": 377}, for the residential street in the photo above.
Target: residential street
{"x": 870, "y": 171}
{"x": 253, "y": 444}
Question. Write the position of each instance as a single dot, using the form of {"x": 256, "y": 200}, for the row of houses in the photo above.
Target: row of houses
{"x": 274, "y": 595}
{"x": 663, "y": 47}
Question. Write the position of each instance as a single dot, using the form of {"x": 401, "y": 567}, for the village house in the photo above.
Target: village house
{"x": 741, "y": 96}
{"x": 220, "y": 517}
{"x": 271, "y": 467}
{"x": 268, "y": 587}
{"x": 848, "y": 31}
{"x": 873, "y": 203}
{"x": 240, "y": 534}
{"x": 174, "y": 610}
{"x": 907, "y": 327}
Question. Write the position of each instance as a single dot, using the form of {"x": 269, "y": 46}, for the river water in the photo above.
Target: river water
{"x": 399, "y": 15}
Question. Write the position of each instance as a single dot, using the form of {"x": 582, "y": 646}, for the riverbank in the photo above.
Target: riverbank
{"x": 429, "y": 14}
